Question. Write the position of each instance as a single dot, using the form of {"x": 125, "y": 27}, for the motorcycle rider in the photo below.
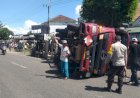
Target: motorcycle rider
{"x": 3, "y": 47}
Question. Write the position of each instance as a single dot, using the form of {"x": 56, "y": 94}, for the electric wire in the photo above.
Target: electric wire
{"x": 59, "y": 4}
{"x": 40, "y": 9}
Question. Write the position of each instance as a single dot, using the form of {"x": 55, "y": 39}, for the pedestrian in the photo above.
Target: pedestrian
{"x": 26, "y": 47}
{"x": 65, "y": 52}
{"x": 10, "y": 46}
{"x": 134, "y": 53}
{"x": 119, "y": 60}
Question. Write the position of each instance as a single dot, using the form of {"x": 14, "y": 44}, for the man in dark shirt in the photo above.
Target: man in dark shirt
{"x": 134, "y": 52}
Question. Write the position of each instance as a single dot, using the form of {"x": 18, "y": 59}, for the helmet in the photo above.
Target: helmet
{"x": 134, "y": 39}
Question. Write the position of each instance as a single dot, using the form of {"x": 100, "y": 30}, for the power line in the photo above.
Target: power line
{"x": 64, "y": 2}
{"x": 59, "y": 4}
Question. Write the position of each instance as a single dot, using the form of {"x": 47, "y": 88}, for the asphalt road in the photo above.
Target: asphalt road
{"x": 28, "y": 77}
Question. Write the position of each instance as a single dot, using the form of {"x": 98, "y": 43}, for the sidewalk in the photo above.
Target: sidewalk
{"x": 13, "y": 51}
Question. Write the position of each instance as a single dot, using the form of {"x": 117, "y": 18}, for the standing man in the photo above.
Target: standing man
{"x": 134, "y": 53}
{"x": 65, "y": 52}
{"x": 119, "y": 60}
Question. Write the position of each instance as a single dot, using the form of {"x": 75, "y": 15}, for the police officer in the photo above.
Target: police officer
{"x": 119, "y": 60}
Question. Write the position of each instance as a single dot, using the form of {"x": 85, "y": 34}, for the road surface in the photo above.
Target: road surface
{"x": 29, "y": 77}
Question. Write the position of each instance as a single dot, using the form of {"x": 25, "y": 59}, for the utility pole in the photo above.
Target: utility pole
{"x": 47, "y": 41}
{"x": 49, "y": 4}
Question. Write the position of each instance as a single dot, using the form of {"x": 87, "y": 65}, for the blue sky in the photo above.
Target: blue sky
{"x": 19, "y": 15}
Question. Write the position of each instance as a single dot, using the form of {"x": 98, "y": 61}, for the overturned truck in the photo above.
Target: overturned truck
{"x": 89, "y": 44}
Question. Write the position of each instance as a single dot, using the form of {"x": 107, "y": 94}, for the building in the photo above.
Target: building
{"x": 58, "y": 22}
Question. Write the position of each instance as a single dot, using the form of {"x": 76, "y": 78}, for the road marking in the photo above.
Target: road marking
{"x": 14, "y": 63}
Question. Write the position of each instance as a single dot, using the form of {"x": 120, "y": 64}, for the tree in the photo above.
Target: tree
{"x": 109, "y": 12}
{"x": 29, "y": 33}
{"x": 4, "y": 33}
{"x": 1, "y": 25}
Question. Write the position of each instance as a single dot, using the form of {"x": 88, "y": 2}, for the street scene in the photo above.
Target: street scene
{"x": 27, "y": 77}
{"x": 70, "y": 49}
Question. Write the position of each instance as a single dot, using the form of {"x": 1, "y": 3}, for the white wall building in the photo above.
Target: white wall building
{"x": 58, "y": 22}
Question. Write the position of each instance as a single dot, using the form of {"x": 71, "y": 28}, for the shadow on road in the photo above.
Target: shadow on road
{"x": 90, "y": 88}
{"x": 47, "y": 61}
{"x": 53, "y": 74}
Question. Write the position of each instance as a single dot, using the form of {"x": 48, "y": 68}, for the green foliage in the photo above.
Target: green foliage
{"x": 4, "y": 33}
{"x": 1, "y": 25}
{"x": 109, "y": 12}
{"x": 87, "y": 12}
{"x": 29, "y": 33}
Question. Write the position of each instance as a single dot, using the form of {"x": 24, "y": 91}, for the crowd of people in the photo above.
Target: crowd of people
{"x": 19, "y": 46}
{"x": 120, "y": 58}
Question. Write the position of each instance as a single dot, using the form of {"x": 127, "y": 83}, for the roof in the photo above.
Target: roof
{"x": 136, "y": 23}
{"x": 61, "y": 19}
{"x": 134, "y": 30}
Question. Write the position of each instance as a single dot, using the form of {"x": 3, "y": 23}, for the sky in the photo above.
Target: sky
{"x": 19, "y": 15}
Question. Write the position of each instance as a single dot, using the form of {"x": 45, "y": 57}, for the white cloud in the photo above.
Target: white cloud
{"x": 78, "y": 9}
{"x": 28, "y": 23}
{"x": 24, "y": 29}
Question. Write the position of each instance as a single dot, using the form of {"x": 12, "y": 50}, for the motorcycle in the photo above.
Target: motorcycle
{"x": 4, "y": 50}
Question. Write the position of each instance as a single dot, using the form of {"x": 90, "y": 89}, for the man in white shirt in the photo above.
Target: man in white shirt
{"x": 65, "y": 52}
